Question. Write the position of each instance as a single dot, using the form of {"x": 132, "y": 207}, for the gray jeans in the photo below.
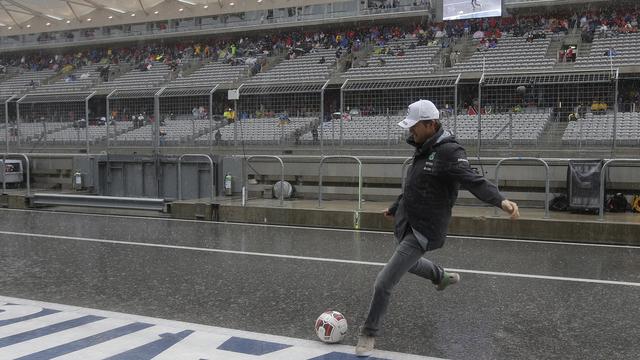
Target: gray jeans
{"x": 407, "y": 257}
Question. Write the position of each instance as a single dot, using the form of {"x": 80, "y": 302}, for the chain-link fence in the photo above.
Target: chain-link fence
{"x": 284, "y": 114}
{"x": 7, "y": 121}
{"x": 132, "y": 115}
{"x": 550, "y": 110}
{"x": 187, "y": 116}
{"x": 371, "y": 108}
{"x": 48, "y": 120}
{"x": 507, "y": 112}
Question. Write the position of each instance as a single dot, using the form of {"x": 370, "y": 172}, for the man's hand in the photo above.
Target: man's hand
{"x": 387, "y": 214}
{"x": 511, "y": 208}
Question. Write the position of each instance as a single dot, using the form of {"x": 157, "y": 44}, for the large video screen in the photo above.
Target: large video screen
{"x": 470, "y": 9}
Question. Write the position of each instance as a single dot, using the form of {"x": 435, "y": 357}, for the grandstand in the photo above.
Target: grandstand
{"x": 75, "y": 81}
{"x": 211, "y": 74}
{"x": 307, "y": 67}
{"x": 24, "y": 81}
{"x": 37, "y": 131}
{"x": 497, "y": 129}
{"x": 172, "y": 131}
{"x": 599, "y": 129}
{"x": 301, "y": 73}
{"x": 614, "y": 50}
{"x": 510, "y": 54}
{"x": 268, "y": 130}
{"x": 501, "y": 128}
{"x": 137, "y": 78}
{"x": 414, "y": 61}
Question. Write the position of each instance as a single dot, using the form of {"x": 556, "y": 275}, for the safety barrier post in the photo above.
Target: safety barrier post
{"x": 603, "y": 179}
{"x": 211, "y": 173}
{"x": 546, "y": 182}
{"x": 244, "y": 177}
{"x": 359, "y": 207}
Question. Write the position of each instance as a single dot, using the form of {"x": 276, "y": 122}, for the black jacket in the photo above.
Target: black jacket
{"x": 438, "y": 169}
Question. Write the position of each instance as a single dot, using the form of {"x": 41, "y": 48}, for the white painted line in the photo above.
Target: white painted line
{"x": 217, "y": 331}
{"x": 547, "y": 242}
{"x": 309, "y": 258}
{"x": 298, "y": 227}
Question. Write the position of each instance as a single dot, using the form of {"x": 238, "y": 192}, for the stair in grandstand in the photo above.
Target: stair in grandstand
{"x": 273, "y": 61}
{"x": 554, "y": 47}
{"x": 551, "y": 137}
{"x": 466, "y": 48}
{"x": 584, "y": 49}
{"x": 360, "y": 56}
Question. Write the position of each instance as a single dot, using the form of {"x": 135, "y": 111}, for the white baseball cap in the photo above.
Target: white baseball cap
{"x": 418, "y": 111}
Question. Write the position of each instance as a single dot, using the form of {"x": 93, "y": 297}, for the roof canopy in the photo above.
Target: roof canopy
{"x": 399, "y": 83}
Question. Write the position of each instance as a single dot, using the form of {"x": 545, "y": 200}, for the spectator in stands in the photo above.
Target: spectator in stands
{"x": 570, "y": 55}
{"x": 314, "y": 133}
{"x": 611, "y": 52}
{"x": 229, "y": 115}
{"x": 218, "y": 137}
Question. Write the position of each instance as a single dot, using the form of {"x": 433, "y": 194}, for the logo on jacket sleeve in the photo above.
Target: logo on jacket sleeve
{"x": 432, "y": 156}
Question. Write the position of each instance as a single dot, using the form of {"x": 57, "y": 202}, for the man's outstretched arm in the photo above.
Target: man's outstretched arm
{"x": 461, "y": 171}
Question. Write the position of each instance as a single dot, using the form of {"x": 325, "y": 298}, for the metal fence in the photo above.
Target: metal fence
{"x": 186, "y": 115}
{"x": 6, "y": 122}
{"x": 550, "y": 110}
{"x": 553, "y": 110}
{"x": 278, "y": 114}
{"x": 371, "y": 109}
{"x": 131, "y": 115}
{"x": 47, "y": 120}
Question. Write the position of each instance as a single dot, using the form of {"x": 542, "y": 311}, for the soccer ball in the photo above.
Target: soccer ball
{"x": 331, "y": 326}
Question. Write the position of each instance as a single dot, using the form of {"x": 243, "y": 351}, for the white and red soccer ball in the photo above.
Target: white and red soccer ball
{"x": 331, "y": 326}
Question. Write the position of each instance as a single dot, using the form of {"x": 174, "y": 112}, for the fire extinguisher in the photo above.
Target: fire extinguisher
{"x": 228, "y": 179}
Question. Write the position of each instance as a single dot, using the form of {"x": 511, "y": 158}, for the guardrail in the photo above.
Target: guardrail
{"x": 546, "y": 182}
{"x": 28, "y": 167}
{"x": 244, "y": 176}
{"x": 212, "y": 167}
{"x": 113, "y": 202}
{"x": 603, "y": 179}
{"x": 322, "y": 160}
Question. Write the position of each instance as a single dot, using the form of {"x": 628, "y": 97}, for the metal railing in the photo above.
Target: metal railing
{"x": 603, "y": 179}
{"x": 322, "y": 160}
{"x": 244, "y": 176}
{"x": 94, "y": 201}
{"x": 212, "y": 167}
{"x": 4, "y": 174}
{"x": 546, "y": 179}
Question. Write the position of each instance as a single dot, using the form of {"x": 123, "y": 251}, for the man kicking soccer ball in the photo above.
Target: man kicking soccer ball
{"x": 423, "y": 210}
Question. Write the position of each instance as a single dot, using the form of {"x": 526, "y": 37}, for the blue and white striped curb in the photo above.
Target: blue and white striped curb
{"x": 33, "y": 330}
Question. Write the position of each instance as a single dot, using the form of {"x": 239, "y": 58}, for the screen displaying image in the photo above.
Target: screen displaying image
{"x": 469, "y": 9}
